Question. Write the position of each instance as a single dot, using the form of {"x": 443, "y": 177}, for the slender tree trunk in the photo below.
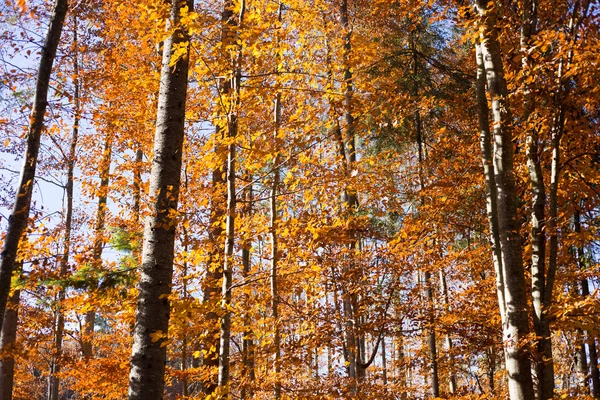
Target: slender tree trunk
{"x": 231, "y": 89}
{"x": 581, "y": 365}
{"x": 431, "y": 338}
{"x": 316, "y": 364}
{"x": 7, "y": 345}
{"x": 449, "y": 343}
{"x": 59, "y": 322}
{"x": 349, "y": 342}
{"x": 225, "y": 333}
{"x": 401, "y": 367}
{"x": 214, "y": 272}
{"x": 516, "y": 325}
{"x": 592, "y": 350}
{"x": 275, "y": 256}
{"x": 273, "y": 226}
{"x": 431, "y": 335}
{"x": 90, "y": 316}
{"x": 384, "y": 361}
{"x": 17, "y": 221}
{"x": 247, "y": 341}
{"x": 137, "y": 183}
{"x": 186, "y": 298}
{"x": 585, "y": 292}
{"x": 146, "y": 379}
{"x": 544, "y": 365}
{"x": 489, "y": 173}
{"x": 350, "y": 298}
{"x": 491, "y": 372}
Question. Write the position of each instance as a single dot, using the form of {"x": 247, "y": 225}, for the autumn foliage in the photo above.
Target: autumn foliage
{"x": 364, "y": 255}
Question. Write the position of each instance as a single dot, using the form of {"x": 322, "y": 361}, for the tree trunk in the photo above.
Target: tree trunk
{"x": 491, "y": 372}
{"x": 230, "y": 88}
{"x": 275, "y": 257}
{"x": 59, "y": 323}
{"x": 402, "y": 367}
{"x": 146, "y": 379}
{"x": 449, "y": 343}
{"x": 247, "y": 341}
{"x": 581, "y": 365}
{"x": 384, "y": 361}
{"x": 544, "y": 365}
{"x": 137, "y": 183}
{"x": 348, "y": 145}
{"x": 489, "y": 173}
{"x": 17, "y": 221}
{"x": 585, "y": 292}
{"x": 225, "y": 333}
{"x": 97, "y": 250}
{"x": 186, "y": 299}
{"x": 592, "y": 350}
{"x": 7, "y": 345}
{"x": 431, "y": 337}
{"x": 214, "y": 272}
{"x": 273, "y": 224}
{"x": 516, "y": 325}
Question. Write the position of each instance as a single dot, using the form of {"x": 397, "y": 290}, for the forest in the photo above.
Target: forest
{"x": 299, "y": 199}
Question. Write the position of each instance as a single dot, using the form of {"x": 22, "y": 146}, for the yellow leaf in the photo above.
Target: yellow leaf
{"x": 156, "y": 336}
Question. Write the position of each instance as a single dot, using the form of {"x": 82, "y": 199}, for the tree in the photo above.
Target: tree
{"x": 146, "y": 379}
{"x": 20, "y": 213}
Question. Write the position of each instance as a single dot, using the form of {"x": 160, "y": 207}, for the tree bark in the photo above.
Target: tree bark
{"x": 348, "y": 145}
{"x": 544, "y": 365}
{"x": 449, "y": 343}
{"x": 7, "y": 345}
{"x": 214, "y": 273}
{"x": 489, "y": 173}
{"x": 585, "y": 292}
{"x": 273, "y": 226}
{"x": 225, "y": 333}
{"x": 59, "y": 322}
{"x": 275, "y": 255}
{"x": 186, "y": 299}
{"x": 231, "y": 89}
{"x": 581, "y": 365}
{"x": 431, "y": 335}
{"x": 98, "y": 247}
{"x": 247, "y": 341}
{"x": 384, "y": 362}
{"x": 592, "y": 350}
{"x": 17, "y": 221}
{"x": 137, "y": 183}
{"x": 516, "y": 325}
{"x": 146, "y": 379}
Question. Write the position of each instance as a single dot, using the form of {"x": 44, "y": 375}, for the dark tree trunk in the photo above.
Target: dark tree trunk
{"x": 229, "y": 88}
{"x": 98, "y": 247}
{"x": 17, "y": 221}
{"x": 59, "y": 323}
{"x": 7, "y": 344}
{"x": 247, "y": 341}
{"x": 146, "y": 379}
{"x": 589, "y": 338}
